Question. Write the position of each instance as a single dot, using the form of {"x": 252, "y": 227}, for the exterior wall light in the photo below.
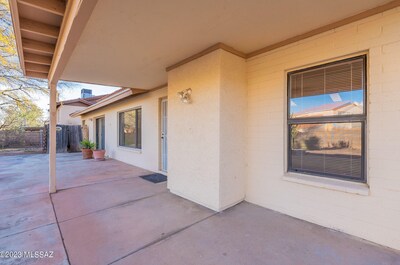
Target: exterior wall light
{"x": 184, "y": 95}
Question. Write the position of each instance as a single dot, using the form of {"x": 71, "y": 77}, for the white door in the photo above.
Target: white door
{"x": 164, "y": 138}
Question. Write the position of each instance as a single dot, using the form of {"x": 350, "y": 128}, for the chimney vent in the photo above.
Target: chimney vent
{"x": 86, "y": 93}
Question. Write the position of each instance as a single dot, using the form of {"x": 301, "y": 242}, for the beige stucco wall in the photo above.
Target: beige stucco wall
{"x": 233, "y": 113}
{"x": 374, "y": 216}
{"x": 148, "y": 156}
{"x": 231, "y": 141}
{"x": 206, "y": 145}
{"x": 63, "y": 115}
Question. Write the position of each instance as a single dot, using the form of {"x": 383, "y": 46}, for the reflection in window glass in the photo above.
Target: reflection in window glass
{"x": 130, "y": 128}
{"x": 329, "y": 148}
{"x": 326, "y": 119}
{"x": 329, "y": 91}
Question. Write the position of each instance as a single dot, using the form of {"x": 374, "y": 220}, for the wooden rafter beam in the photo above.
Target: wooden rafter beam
{"x": 56, "y": 7}
{"x": 39, "y": 28}
{"x": 36, "y": 75}
{"x": 37, "y": 59}
{"x": 37, "y": 47}
{"x": 17, "y": 33}
{"x": 77, "y": 14}
{"x": 39, "y": 68}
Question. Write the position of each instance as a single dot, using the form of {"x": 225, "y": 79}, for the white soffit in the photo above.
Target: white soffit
{"x": 129, "y": 43}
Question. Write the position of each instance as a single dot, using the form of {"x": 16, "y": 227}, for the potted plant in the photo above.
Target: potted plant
{"x": 87, "y": 149}
{"x": 98, "y": 154}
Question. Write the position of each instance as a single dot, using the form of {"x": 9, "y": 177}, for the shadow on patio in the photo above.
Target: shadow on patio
{"x": 105, "y": 214}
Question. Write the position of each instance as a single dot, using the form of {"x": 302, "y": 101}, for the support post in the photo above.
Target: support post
{"x": 52, "y": 137}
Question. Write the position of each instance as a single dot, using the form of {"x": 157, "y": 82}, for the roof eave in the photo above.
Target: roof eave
{"x": 109, "y": 100}
{"x": 17, "y": 33}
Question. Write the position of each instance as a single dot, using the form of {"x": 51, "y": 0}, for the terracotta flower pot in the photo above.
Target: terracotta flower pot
{"x": 87, "y": 153}
{"x": 99, "y": 154}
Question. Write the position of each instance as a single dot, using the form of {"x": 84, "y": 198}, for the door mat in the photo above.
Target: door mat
{"x": 155, "y": 178}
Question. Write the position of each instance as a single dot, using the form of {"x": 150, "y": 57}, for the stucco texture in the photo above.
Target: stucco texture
{"x": 63, "y": 115}
{"x": 206, "y": 141}
{"x": 148, "y": 156}
{"x": 375, "y": 215}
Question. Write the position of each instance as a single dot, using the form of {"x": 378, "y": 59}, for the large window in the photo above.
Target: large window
{"x": 130, "y": 128}
{"x": 326, "y": 119}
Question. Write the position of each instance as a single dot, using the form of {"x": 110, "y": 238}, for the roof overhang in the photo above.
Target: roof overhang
{"x": 74, "y": 101}
{"x": 37, "y": 26}
{"x": 112, "y": 98}
{"x": 132, "y": 43}
{"x": 46, "y": 32}
{"x": 86, "y": 101}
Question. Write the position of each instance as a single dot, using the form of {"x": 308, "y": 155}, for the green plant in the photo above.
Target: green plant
{"x": 86, "y": 144}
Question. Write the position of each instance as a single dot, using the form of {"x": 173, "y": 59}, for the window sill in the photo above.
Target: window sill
{"x": 327, "y": 183}
{"x": 130, "y": 149}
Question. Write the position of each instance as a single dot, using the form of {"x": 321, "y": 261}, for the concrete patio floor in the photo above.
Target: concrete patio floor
{"x": 104, "y": 213}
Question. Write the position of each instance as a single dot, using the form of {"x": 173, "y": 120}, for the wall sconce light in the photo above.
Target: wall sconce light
{"x": 184, "y": 95}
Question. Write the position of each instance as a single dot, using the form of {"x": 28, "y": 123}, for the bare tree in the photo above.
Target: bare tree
{"x": 15, "y": 89}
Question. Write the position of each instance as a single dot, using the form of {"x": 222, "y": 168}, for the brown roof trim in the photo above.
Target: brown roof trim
{"x": 344, "y": 105}
{"x": 337, "y": 24}
{"x": 86, "y": 101}
{"x": 114, "y": 97}
{"x": 215, "y": 47}
{"x": 72, "y": 101}
{"x": 110, "y": 99}
{"x": 96, "y": 98}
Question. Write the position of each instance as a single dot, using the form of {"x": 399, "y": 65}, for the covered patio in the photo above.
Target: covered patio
{"x": 104, "y": 213}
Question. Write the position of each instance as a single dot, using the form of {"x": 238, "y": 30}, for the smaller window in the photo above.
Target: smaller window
{"x": 130, "y": 128}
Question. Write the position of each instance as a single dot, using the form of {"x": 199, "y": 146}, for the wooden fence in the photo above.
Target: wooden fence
{"x": 68, "y": 138}
{"x": 37, "y": 139}
{"x": 26, "y": 138}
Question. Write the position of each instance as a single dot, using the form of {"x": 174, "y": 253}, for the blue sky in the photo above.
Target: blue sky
{"x": 75, "y": 92}
{"x": 303, "y": 103}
